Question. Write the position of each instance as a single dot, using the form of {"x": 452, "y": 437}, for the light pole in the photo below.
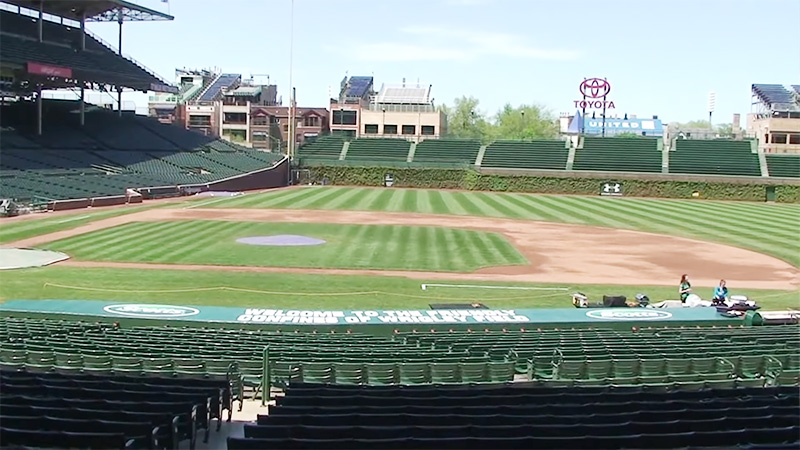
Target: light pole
{"x": 291, "y": 84}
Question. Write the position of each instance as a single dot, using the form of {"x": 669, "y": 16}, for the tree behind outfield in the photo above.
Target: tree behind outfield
{"x": 525, "y": 122}
{"x": 466, "y": 121}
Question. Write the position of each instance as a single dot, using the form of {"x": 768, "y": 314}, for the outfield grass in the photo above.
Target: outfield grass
{"x": 304, "y": 291}
{"x": 23, "y": 229}
{"x": 767, "y": 228}
{"x": 347, "y": 246}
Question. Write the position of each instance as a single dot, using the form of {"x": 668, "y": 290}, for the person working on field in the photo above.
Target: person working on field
{"x": 720, "y": 293}
{"x": 685, "y": 288}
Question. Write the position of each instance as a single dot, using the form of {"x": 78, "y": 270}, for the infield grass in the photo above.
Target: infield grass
{"x": 767, "y": 228}
{"x": 307, "y": 291}
{"x": 347, "y": 246}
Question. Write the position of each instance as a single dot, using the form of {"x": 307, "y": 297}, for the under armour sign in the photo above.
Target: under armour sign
{"x": 611, "y": 188}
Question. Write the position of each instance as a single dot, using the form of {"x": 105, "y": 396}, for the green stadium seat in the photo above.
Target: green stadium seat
{"x": 544, "y": 154}
{"x": 618, "y": 155}
{"x": 716, "y": 157}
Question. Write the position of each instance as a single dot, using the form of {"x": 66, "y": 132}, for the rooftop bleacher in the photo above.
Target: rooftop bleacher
{"x": 544, "y": 154}
{"x": 717, "y": 157}
{"x": 618, "y": 155}
{"x": 378, "y": 150}
{"x": 357, "y": 87}
{"x": 783, "y": 166}
{"x": 223, "y": 81}
{"x": 775, "y": 96}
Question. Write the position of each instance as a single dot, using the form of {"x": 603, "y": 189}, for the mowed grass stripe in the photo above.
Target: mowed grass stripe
{"x": 132, "y": 241}
{"x": 531, "y": 208}
{"x": 179, "y": 248}
{"x": 320, "y": 200}
{"x": 348, "y": 246}
{"x": 286, "y": 199}
{"x": 377, "y": 199}
{"x": 467, "y": 204}
{"x": 409, "y": 202}
{"x": 491, "y": 204}
{"x": 343, "y": 199}
{"x": 96, "y": 245}
{"x": 182, "y": 235}
{"x": 768, "y": 228}
{"x": 709, "y": 229}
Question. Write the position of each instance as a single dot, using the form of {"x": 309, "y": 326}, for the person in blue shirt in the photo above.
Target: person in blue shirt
{"x": 720, "y": 292}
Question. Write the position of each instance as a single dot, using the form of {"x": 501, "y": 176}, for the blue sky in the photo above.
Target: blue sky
{"x": 660, "y": 57}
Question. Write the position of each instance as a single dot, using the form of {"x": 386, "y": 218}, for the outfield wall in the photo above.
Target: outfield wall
{"x": 558, "y": 182}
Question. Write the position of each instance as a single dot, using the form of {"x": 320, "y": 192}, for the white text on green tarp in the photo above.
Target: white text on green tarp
{"x": 277, "y": 316}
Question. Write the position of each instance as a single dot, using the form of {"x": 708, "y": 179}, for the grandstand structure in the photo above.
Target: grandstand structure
{"x": 70, "y": 154}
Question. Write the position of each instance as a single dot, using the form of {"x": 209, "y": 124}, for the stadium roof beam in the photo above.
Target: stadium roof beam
{"x": 93, "y": 10}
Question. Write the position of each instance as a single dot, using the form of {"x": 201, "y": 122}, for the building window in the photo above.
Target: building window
{"x": 236, "y": 118}
{"x": 371, "y": 129}
{"x": 286, "y": 127}
{"x": 311, "y": 121}
{"x": 409, "y": 129}
{"x": 428, "y": 130}
{"x": 235, "y": 135}
{"x": 260, "y": 136}
{"x": 345, "y": 117}
{"x": 259, "y": 120}
{"x": 794, "y": 139}
{"x": 199, "y": 121}
{"x": 390, "y": 129}
{"x": 778, "y": 138}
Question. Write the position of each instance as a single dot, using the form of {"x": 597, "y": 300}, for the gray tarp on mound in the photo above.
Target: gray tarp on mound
{"x": 18, "y": 258}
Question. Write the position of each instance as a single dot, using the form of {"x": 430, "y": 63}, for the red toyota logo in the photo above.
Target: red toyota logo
{"x": 595, "y": 88}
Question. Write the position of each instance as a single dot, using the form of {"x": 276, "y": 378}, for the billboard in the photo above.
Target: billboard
{"x": 645, "y": 127}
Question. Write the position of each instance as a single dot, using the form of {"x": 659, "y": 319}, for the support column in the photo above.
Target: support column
{"x": 119, "y": 52}
{"x": 83, "y": 31}
{"x": 41, "y": 17}
{"x": 119, "y": 21}
{"x": 39, "y": 109}
{"x": 83, "y": 104}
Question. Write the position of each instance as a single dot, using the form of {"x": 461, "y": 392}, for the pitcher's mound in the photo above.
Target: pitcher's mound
{"x": 280, "y": 240}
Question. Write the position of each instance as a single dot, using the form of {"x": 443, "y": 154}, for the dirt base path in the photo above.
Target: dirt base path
{"x": 558, "y": 253}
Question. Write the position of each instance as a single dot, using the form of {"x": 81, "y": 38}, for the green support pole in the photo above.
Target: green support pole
{"x": 265, "y": 378}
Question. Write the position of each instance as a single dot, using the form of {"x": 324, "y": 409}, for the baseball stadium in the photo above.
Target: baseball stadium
{"x": 226, "y": 272}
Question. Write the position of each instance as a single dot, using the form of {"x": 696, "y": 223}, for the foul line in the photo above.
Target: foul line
{"x": 480, "y": 286}
{"x": 210, "y": 202}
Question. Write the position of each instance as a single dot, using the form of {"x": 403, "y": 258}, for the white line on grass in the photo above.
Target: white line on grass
{"x": 480, "y": 286}
{"x": 72, "y": 218}
{"x": 211, "y": 201}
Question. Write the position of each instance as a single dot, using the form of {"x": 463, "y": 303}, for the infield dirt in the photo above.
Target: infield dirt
{"x": 557, "y": 253}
